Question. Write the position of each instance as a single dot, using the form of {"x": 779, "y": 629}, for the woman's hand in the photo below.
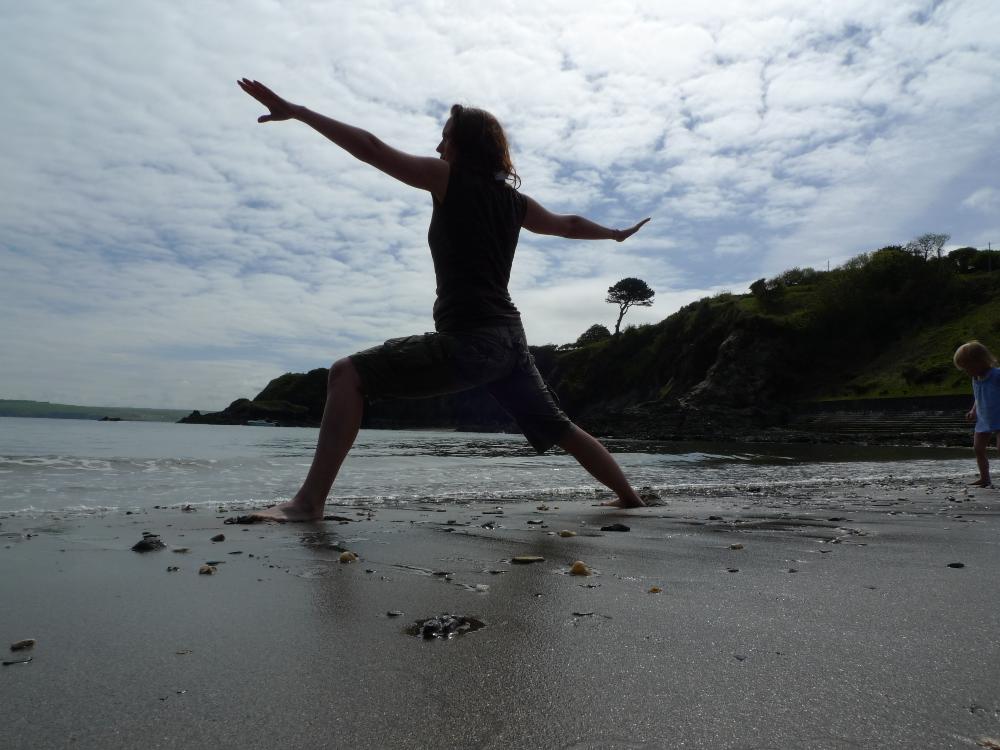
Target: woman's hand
{"x": 623, "y": 234}
{"x": 279, "y": 108}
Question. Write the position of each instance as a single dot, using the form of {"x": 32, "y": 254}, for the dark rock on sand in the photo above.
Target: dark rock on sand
{"x": 242, "y": 520}
{"x": 615, "y": 527}
{"x": 956, "y": 565}
{"x": 23, "y": 645}
{"x": 444, "y": 626}
{"x": 148, "y": 543}
{"x": 219, "y": 538}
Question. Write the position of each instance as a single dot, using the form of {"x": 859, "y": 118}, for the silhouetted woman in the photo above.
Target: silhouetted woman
{"x": 479, "y": 340}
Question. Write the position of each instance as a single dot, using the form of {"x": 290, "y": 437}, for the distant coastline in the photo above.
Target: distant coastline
{"x": 47, "y": 410}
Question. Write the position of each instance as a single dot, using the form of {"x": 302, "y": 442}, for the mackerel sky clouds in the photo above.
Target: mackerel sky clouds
{"x": 158, "y": 247}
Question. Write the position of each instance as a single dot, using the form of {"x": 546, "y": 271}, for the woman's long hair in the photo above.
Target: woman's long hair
{"x": 481, "y": 144}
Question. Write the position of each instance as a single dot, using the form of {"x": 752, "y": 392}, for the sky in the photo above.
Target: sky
{"x": 160, "y": 248}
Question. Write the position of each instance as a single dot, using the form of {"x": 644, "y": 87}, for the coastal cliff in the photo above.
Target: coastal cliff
{"x": 874, "y": 338}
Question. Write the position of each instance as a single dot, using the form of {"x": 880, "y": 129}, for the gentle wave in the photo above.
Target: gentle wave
{"x": 542, "y": 494}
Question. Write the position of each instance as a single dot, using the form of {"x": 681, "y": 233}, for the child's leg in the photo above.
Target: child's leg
{"x": 595, "y": 458}
{"x": 980, "y": 443}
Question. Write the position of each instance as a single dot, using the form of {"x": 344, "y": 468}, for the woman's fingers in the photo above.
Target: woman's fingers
{"x": 626, "y": 233}
{"x": 277, "y": 107}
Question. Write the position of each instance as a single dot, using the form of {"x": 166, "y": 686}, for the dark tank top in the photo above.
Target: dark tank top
{"x": 473, "y": 235}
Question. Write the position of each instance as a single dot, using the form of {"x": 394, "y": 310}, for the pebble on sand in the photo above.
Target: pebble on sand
{"x": 219, "y": 538}
{"x": 207, "y": 570}
{"x": 736, "y": 546}
{"x": 579, "y": 568}
{"x": 567, "y": 533}
{"x": 655, "y": 590}
{"x": 148, "y": 543}
{"x": 615, "y": 527}
{"x": 348, "y": 557}
{"x": 526, "y": 559}
{"x": 956, "y": 565}
{"x": 22, "y": 645}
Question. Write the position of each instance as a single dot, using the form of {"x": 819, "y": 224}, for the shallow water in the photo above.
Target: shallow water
{"x": 61, "y": 465}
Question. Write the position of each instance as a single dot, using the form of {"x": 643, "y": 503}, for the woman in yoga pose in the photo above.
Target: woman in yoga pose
{"x": 478, "y": 213}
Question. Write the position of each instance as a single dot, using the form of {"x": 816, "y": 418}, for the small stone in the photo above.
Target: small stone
{"x": 23, "y": 645}
{"x": 219, "y": 538}
{"x": 567, "y": 533}
{"x": 207, "y": 570}
{"x": 579, "y": 568}
{"x": 715, "y": 518}
{"x": 148, "y": 544}
{"x": 615, "y": 527}
{"x": 732, "y": 570}
{"x": 348, "y": 557}
{"x": 535, "y": 522}
{"x": 582, "y": 614}
{"x": 542, "y": 507}
{"x": 735, "y": 546}
{"x": 394, "y": 613}
{"x": 527, "y": 559}
{"x": 655, "y": 590}
{"x": 956, "y": 565}
{"x": 180, "y": 550}
{"x": 172, "y": 568}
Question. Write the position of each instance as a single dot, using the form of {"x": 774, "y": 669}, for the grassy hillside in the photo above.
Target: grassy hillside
{"x": 12, "y": 408}
{"x": 884, "y": 325}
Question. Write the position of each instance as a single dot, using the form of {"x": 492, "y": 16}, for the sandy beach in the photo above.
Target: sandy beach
{"x": 838, "y": 624}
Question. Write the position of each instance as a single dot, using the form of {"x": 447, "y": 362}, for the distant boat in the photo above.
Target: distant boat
{"x": 261, "y": 423}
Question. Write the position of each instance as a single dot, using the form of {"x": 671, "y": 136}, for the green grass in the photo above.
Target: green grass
{"x": 920, "y": 364}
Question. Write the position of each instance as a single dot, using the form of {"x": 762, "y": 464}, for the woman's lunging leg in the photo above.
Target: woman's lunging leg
{"x": 596, "y": 459}
{"x": 341, "y": 422}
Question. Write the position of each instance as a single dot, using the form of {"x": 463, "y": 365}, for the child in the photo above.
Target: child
{"x": 976, "y": 360}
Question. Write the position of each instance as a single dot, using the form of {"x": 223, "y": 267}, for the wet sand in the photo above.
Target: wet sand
{"x": 841, "y": 626}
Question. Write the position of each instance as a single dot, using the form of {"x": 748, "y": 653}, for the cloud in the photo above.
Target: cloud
{"x": 158, "y": 247}
{"x": 985, "y": 199}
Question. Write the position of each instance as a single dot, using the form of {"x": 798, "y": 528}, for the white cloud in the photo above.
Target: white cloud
{"x": 985, "y": 199}
{"x": 157, "y": 247}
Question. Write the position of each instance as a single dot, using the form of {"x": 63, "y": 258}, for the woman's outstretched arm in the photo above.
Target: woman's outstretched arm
{"x": 539, "y": 220}
{"x": 424, "y": 172}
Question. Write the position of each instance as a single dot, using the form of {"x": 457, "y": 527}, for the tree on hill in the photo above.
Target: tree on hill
{"x": 628, "y": 293}
{"x": 927, "y": 245}
{"x": 595, "y": 333}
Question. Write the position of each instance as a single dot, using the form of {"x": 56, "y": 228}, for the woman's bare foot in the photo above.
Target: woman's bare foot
{"x": 295, "y": 510}
{"x": 981, "y": 483}
{"x": 622, "y": 503}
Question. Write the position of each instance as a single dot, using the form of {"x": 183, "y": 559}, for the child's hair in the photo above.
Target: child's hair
{"x": 974, "y": 353}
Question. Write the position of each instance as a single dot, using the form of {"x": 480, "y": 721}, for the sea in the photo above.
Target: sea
{"x": 66, "y": 466}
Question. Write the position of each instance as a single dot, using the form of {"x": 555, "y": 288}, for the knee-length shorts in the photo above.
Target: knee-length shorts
{"x": 438, "y": 363}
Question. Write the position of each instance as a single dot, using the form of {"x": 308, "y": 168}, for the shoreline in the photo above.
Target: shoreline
{"x": 842, "y": 625}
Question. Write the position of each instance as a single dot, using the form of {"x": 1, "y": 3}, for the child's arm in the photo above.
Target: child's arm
{"x": 971, "y": 414}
